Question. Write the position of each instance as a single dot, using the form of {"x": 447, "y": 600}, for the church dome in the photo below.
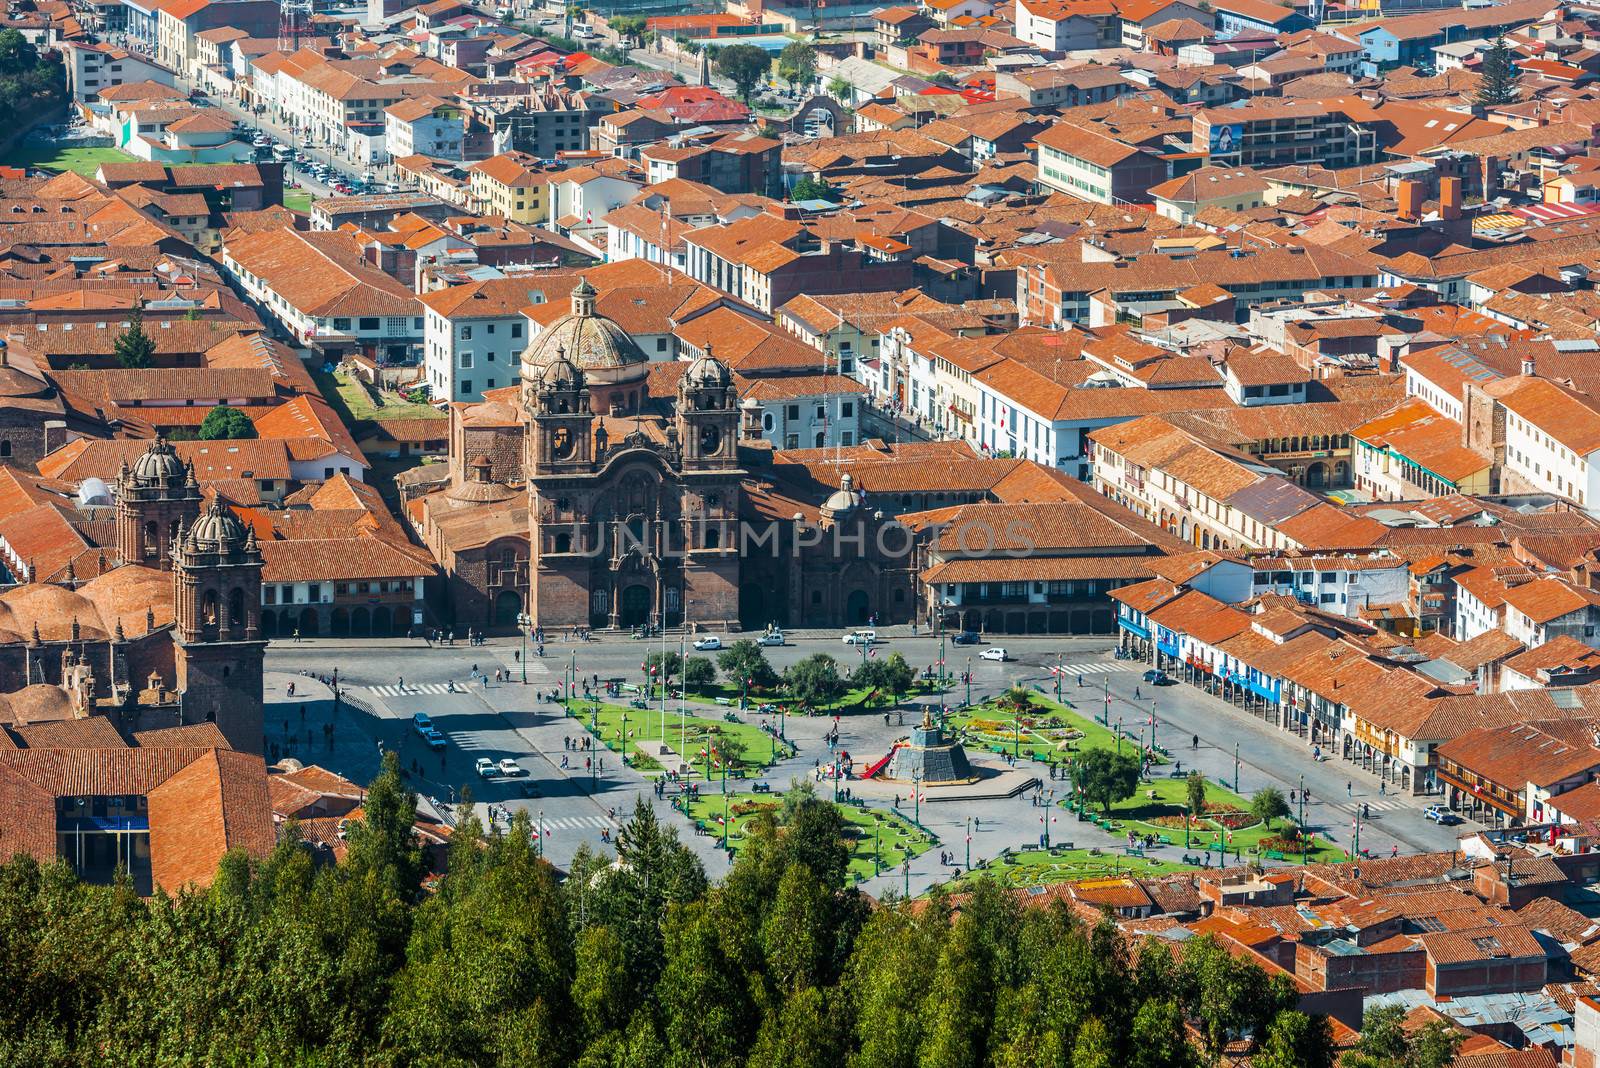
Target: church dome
{"x": 561, "y": 375}
{"x": 596, "y": 345}
{"x": 708, "y": 372}
{"x": 217, "y": 529}
{"x": 159, "y": 464}
{"x": 842, "y": 499}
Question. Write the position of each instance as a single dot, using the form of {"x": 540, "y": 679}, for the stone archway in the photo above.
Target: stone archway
{"x": 269, "y": 623}
{"x": 507, "y": 607}
{"x": 842, "y": 120}
{"x": 1317, "y": 476}
{"x": 361, "y": 622}
{"x": 339, "y": 623}
{"x": 857, "y": 607}
{"x": 635, "y": 608}
{"x": 308, "y": 622}
{"x": 382, "y": 622}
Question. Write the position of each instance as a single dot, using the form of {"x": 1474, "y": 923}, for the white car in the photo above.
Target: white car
{"x": 771, "y": 638}
{"x": 485, "y": 768}
{"x": 510, "y": 767}
{"x": 996, "y": 654}
{"x": 861, "y": 637}
{"x": 712, "y": 642}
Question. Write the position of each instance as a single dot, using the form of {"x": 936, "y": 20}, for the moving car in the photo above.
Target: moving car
{"x": 434, "y": 739}
{"x": 510, "y": 767}
{"x": 422, "y": 723}
{"x": 995, "y": 653}
{"x": 861, "y": 637}
{"x": 966, "y": 637}
{"x": 711, "y": 642}
{"x": 485, "y": 768}
{"x": 1157, "y": 677}
{"x": 1441, "y": 815}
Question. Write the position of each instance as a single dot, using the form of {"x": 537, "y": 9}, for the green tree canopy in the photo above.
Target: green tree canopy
{"x": 797, "y": 63}
{"x": 1105, "y": 776}
{"x": 815, "y": 680}
{"x": 699, "y": 672}
{"x": 1497, "y": 75}
{"x": 809, "y": 188}
{"x": 224, "y": 423}
{"x": 745, "y": 66}
{"x": 1195, "y": 793}
{"x": 743, "y": 663}
{"x": 663, "y": 667}
{"x": 1269, "y": 806}
{"x": 134, "y": 349}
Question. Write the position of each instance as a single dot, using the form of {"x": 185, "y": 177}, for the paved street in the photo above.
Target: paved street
{"x": 575, "y": 805}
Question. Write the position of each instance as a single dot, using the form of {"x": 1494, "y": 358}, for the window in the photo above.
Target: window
{"x": 269, "y": 594}
{"x": 847, "y": 410}
{"x": 466, "y": 385}
{"x": 465, "y": 358}
{"x": 342, "y": 323}
{"x": 490, "y": 328}
{"x": 516, "y": 329}
{"x": 466, "y": 333}
{"x": 489, "y": 384}
{"x": 793, "y": 411}
{"x": 341, "y": 588}
{"x": 316, "y": 592}
{"x": 368, "y": 322}
{"x": 661, "y": 344}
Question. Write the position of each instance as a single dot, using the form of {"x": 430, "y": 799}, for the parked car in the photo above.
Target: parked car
{"x": 966, "y": 637}
{"x": 434, "y": 739}
{"x": 708, "y": 642}
{"x": 510, "y": 767}
{"x": 1157, "y": 677}
{"x": 422, "y": 723}
{"x": 861, "y": 637}
{"x": 1441, "y": 815}
{"x": 994, "y": 653}
{"x": 485, "y": 768}
{"x": 772, "y": 637}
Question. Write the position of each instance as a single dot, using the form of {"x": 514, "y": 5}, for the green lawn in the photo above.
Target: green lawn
{"x": 1038, "y": 867}
{"x": 687, "y": 736}
{"x": 889, "y": 836}
{"x": 1050, "y": 735}
{"x": 57, "y": 158}
{"x": 1170, "y": 798}
{"x": 297, "y": 200}
{"x": 355, "y": 404}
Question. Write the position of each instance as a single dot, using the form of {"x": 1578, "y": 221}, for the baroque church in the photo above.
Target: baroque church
{"x": 165, "y": 633}
{"x": 607, "y": 491}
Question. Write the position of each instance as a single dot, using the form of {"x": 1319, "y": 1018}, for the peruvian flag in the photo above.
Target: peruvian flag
{"x": 872, "y": 652}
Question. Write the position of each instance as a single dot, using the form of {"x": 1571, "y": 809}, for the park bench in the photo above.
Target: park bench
{"x": 1273, "y": 854}
{"x": 1135, "y": 851}
{"x": 761, "y": 788}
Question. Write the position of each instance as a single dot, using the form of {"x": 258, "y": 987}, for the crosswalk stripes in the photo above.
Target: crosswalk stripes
{"x": 1353, "y": 807}
{"x": 1097, "y": 668}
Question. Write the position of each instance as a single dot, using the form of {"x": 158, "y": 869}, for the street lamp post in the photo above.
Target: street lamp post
{"x": 969, "y": 843}
{"x": 1105, "y": 717}
{"x": 877, "y": 867}
{"x": 969, "y": 682}
{"x": 916, "y": 794}
{"x": 523, "y": 623}
{"x": 1235, "y": 767}
{"x": 623, "y": 740}
{"x": 905, "y": 868}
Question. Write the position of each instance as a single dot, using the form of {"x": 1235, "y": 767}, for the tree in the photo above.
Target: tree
{"x": 797, "y": 63}
{"x": 135, "y": 348}
{"x": 224, "y": 423}
{"x": 815, "y": 680}
{"x": 628, "y": 27}
{"x": 898, "y": 676}
{"x": 745, "y": 66}
{"x": 1296, "y": 1040}
{"x": 1384, "y": 1042}
{"x": 1195, "y": 789}
{"x": 699, "y": 672}
{"x": 809, "y": 188}
{"x": 663, "y": 667}
{"x": 1497, "y": 75}
{"x": 1268, "y": 805}
{"x": 743, "y": 663}
{"x": 1106, "y": 777}
{"x": 840, "y": 89}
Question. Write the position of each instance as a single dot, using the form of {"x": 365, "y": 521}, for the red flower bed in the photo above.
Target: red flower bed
{"x": 1234, "y": 821}
{"x": 1278, "y": 843}
{"x": 1171, "y": 822}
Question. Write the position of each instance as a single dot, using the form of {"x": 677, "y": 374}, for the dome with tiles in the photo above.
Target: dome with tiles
{"x": 594, "y": 344}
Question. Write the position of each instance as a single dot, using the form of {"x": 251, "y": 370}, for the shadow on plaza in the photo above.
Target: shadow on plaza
{"x": 298, "y": 729}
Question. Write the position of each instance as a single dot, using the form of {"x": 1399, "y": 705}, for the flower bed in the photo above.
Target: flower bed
{"x": 1172, "y": 823}
{"x": 1234, "y": 821}
{"x": 1278, "y": 843}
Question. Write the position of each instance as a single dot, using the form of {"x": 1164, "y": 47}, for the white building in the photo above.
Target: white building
{"x": 473, "y": 335}
{"x": 93, "y": 67}
{"x": 1552, "y": 439}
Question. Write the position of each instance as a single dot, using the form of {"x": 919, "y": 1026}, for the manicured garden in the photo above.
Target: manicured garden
{"x": 357, "y": 404}
{"x": 870, "y": 832}
{"x": 1041, "y": 867}
{"x": 746, "y": 748}
{"x": 1157, "y": 810}
{"x": 1050, "y": 732}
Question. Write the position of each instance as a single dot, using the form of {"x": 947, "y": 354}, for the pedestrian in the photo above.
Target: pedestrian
{"x": 1383, "y": 787}
{"x": 1136, "y": 693}
{"x": 1349, "y": 789}
{"x": 1080, "y": 682}
{"x": 1394, "y": 851}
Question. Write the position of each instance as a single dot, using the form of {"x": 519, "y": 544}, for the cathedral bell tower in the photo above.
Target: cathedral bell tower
{"x": 561, "y": 437}
{"x": 155, "y": 496}
{"x": 708, "y": 415}
{"x": 216, "y": 577}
